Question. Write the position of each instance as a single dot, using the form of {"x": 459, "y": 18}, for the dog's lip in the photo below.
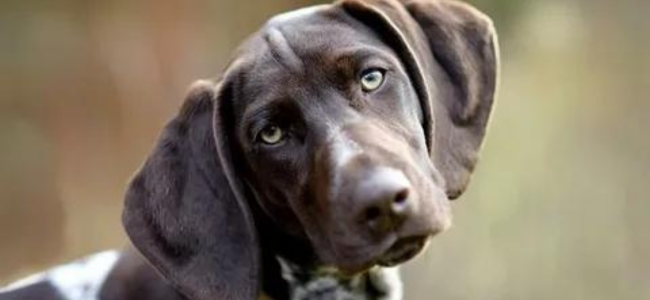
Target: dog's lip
{"x": 403, "y": 250}
{"x": 365, "y": 260}
{"x": 395, "y": 250}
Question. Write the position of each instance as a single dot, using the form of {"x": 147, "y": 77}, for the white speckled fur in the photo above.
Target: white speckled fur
{"x": 388, "y": 281}
{"x": 327, "y": 284}
{"x": 79, "y": 280}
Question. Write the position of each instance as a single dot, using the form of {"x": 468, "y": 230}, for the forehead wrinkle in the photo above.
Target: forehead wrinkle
{"x": 281, "y": 51}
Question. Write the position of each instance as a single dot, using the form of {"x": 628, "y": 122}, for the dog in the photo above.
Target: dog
{"x": 325, "y": 155}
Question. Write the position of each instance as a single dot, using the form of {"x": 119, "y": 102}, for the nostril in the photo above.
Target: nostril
{"x": 400, "y": 201}
{"x": 373, "y": 213}
{"x": 378, "y": 219}
{"x": 401, "y": 196}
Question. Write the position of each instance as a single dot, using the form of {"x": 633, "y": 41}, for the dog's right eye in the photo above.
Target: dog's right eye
{"x": 271, "y": 135}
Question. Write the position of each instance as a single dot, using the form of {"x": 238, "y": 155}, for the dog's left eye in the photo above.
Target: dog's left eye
{"x": 372, "y": 79}
{"x": 271, "y": 135}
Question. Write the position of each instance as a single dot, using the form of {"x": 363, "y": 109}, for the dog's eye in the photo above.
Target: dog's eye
{"x": 272, "y": 134}
{"x": 372, "y": 79}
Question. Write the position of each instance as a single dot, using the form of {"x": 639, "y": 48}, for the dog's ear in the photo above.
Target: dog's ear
{"x": 450, "y": 52}
{"x": 185, "y": 209}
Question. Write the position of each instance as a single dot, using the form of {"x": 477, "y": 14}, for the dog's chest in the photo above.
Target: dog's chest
{"x": 79, "y": 280}
{"x": 376, "y": 284}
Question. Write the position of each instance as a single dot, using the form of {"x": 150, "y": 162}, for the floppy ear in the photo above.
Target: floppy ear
{"x": 450, "y": 51}
{"x": 185, "y": 209}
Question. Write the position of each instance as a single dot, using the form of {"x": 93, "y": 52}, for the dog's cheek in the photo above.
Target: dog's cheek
{"x": 434, "y": 208}
{"x": 317, "y": 217}
{"x": 431, "y": 207}
{"x": 441, "y": 213}
{"x": 315, "y": 228}
{"x": 280, "y": 209}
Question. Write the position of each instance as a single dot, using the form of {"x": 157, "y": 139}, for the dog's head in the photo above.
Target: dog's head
{"x": 349, "y": 126}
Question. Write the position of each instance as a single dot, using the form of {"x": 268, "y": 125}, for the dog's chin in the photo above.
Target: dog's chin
{"x": 396, "y": 253}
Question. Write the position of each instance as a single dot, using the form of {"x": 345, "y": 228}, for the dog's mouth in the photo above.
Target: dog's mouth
{"x": 397, "y": 251}
{"x": 402, "y": 251}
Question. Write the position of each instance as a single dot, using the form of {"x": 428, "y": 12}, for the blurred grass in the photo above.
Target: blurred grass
{"x": 556, "y": 210}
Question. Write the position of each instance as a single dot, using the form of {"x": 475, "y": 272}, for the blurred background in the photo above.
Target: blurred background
{"x": 557, "y": 208}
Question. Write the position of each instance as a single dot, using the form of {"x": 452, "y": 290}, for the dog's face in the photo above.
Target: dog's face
{"x": 350, "y": 126}
{"x": 330, "y": 127}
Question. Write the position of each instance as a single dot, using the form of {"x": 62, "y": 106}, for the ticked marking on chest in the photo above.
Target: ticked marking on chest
{"x": 320, "y": 284}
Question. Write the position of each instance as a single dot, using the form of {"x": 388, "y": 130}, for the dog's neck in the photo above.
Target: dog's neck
{"x": 329, "y": 283}
{"x": 277, "y": 247}
{"x": 292, "y": 270}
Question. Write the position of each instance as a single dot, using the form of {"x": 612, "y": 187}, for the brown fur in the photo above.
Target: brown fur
{"x": 362, "y": 178}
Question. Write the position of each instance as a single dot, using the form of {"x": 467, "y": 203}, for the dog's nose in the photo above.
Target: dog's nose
{"x": 385, "y": 199}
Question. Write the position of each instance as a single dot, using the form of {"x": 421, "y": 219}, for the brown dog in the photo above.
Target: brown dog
{"x": 331, "y": 144}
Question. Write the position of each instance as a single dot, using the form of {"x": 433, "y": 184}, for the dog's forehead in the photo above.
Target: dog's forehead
{"x": 320, "y": 28}
{"x": 300, "y": 45}
{"x": 306, "y": 54}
